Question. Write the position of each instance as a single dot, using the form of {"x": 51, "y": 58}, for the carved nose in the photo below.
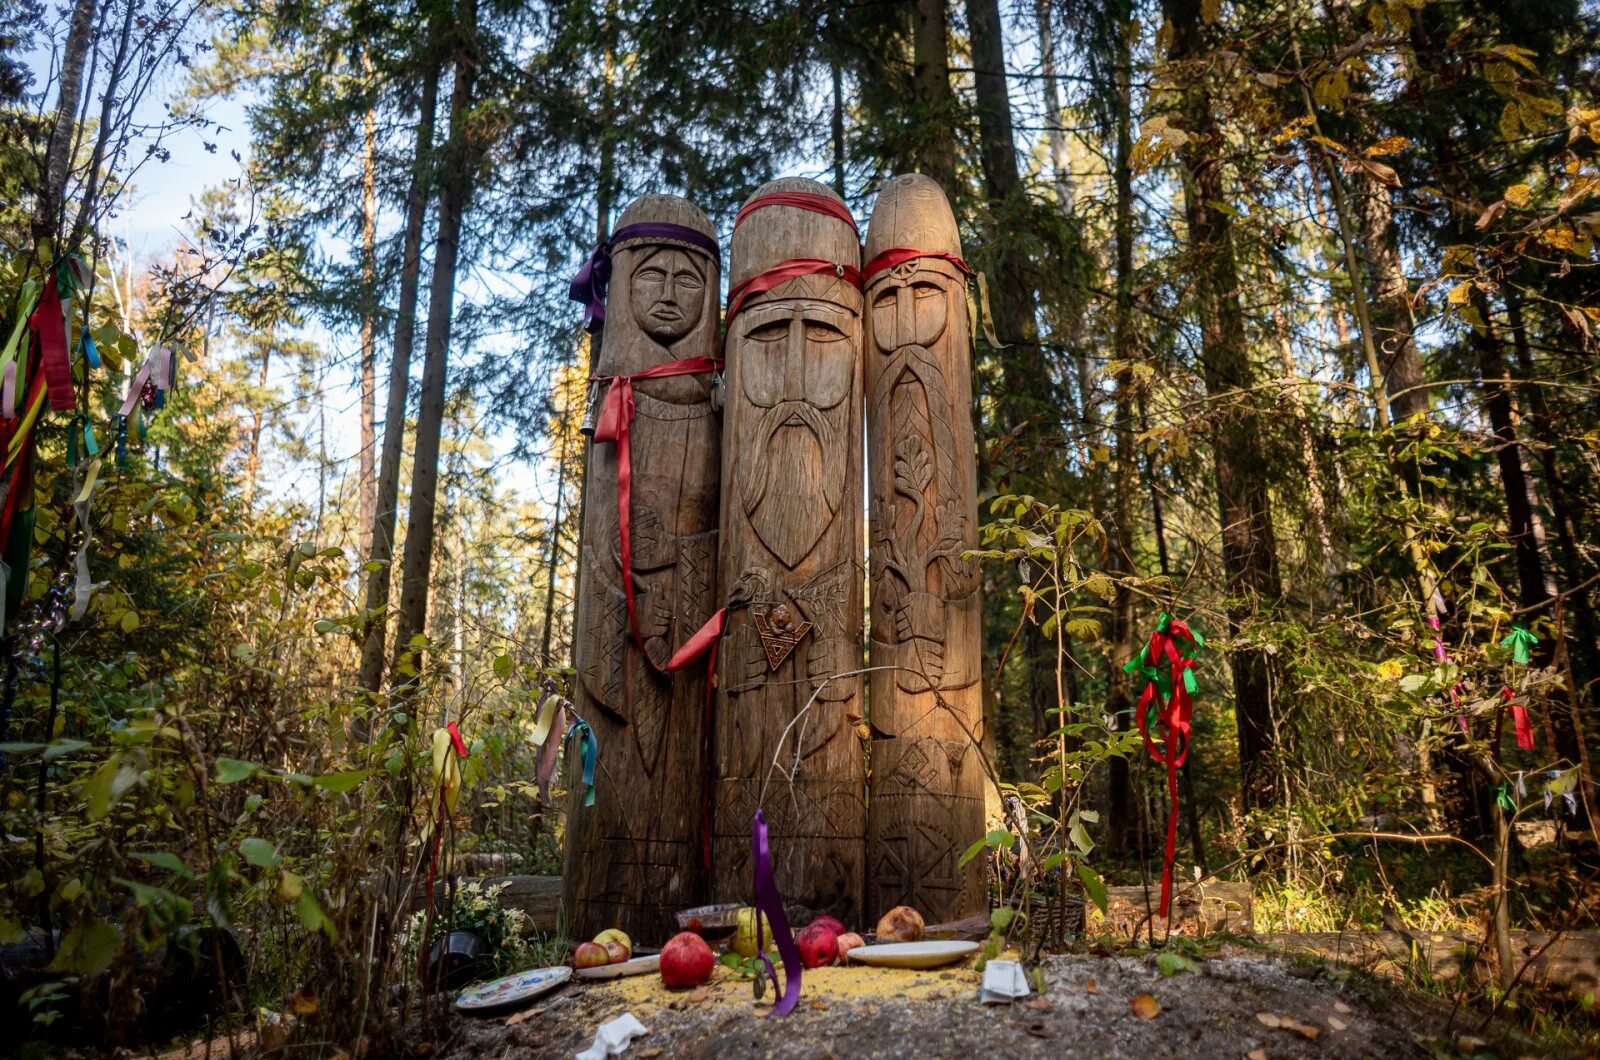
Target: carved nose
{"x": 794, "y": 388}
{"x": 905, "y": 315}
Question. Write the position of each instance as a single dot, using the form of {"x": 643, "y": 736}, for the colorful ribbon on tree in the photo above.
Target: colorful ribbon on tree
{"x": 616, "y": 416}
{"x": 50, "y": 325}
{"x": 590, "y": 283}
{"x": 769, "y": 907}
{"x": 1521, "y": 641}
{"x": 587, "y": 746}
{"x": 1167, "y": 662}
{"x": 1519, "y": 717}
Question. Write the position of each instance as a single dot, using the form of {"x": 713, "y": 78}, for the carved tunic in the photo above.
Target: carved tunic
{"x": 927, "y": 777}
{"x": 790, "y": 563}
{"x": 634, "y": 857}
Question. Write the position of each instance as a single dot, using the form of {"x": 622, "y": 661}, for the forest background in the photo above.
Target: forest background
{"x": 1288, "y": 328}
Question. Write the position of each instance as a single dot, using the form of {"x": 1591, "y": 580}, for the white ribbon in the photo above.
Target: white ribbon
{"x": 82, "y": 587}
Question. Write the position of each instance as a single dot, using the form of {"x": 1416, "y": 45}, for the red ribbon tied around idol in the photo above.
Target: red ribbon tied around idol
{"x": 1167, "y": 663}
{"x": 616, "y": 416}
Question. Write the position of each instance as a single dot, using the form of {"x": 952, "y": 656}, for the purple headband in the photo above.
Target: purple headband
{"x": 589, "y": 285}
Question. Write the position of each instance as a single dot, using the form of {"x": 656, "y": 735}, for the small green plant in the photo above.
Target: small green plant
{"x": 477, "y": 908}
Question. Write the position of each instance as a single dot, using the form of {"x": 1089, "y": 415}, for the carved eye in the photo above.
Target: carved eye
{"x": 773, "y": 331}
{"x": 651, "y": 275}
{"x": 920, "y": 291}
{"x": 886, "y": 298}
{"x": 689, "y": 281}
{"x": 822, "y": 331}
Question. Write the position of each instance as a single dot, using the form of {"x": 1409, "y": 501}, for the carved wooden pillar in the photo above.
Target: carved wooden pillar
{"x": 928, "y": 781}
{"x": 791, "y": 551}
{"x": 635, "y": 856}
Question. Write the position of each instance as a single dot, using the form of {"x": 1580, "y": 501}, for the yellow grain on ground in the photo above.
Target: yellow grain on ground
{"x": 641, "y": 994}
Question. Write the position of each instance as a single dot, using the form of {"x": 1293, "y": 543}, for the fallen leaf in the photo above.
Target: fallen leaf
{"x": 1039, "y": 1030}
{"x": 1337, "y": 1024}
{"x": 1340, "y": 1006}
{"x": 518, "y": 1017}
{"x": 700, "y": 994}
{"x": 1091, "y": 987}
{"x": 1256, "y": 1054}
{"x": 1471, "y": 1043}
{"x": 819, "y": 1005}
{"x": 863, "y": 733}
{"x": 1144, "y": 1006}
{"x": 650, "y": 1053}
{"x": 1042, "y": 1004}
{"x": 1308, "y": 1031}
{"x": 852, "y": 717}
{"x": 1267, "y": 1019}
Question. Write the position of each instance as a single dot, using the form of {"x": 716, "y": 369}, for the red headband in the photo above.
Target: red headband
{"x": 785, "y": 271}
{"x": 803, "y": 200}
{"x": 900, "y": 255}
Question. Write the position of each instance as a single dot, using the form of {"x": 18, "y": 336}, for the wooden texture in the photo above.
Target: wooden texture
{"x": 928, "y": 779}
{"x": 791, "y": 565}
{"x": 635, "y": 857}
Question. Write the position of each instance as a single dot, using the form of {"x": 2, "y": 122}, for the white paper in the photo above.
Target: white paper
{"x": 613, "y": 1037}
{"x": 1003, "y": 982}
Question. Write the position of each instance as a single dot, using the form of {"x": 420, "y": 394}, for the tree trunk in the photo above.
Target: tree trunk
{"x": 930, "y": 80}
{"x": 1392, "y": 319}
{"x": 63, "y": 131}
{"x": 1249, "y": 550}
{"x": 387, "y": 496}
{"x": 367, "y": 483}
{"x": 455, "y": 187}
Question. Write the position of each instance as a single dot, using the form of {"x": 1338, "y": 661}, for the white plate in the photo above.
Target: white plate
{"x": 513, "y": 988}
{"x": 913, "y": 954}
{"x": 637, "y": 966}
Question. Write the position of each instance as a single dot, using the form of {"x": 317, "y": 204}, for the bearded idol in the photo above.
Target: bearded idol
{"x": 791, "y": 551}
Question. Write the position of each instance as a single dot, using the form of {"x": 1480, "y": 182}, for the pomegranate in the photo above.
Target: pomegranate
{"x": 686, "y": 960}
{"x": 900, "y": 924}
{"x": 819, "y": 945}
{"x": 847, "y": 942}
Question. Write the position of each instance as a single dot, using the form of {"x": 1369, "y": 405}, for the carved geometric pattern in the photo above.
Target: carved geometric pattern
{"x": 917, "y": 867}
{"x": 779, "y": 636}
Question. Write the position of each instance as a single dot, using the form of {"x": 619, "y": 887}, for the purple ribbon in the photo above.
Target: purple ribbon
{"x": 589, "y": 285}
{"x": 770, "y": 903}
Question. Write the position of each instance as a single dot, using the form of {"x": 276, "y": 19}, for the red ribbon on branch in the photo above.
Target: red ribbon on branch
{"x": 1519, "y": 716}
{"x": 49, "y": 323}
{"x": 616, "y": 416}
{"x": 1167, "y": 663}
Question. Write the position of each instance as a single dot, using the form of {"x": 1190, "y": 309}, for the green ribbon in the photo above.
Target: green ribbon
{"x": 587, "y": 745}
{"x": 1162, "y": 674}
{"x": 25, "y": 303}
{"x": 1502, "y": 798}
{"x": 1521, "y": 641}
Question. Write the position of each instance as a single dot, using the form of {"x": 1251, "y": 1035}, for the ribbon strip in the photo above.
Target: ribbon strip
{"x": 615, "y": 418}
{"x": 82, "y": 586}
{"x": 550, "y": 749}
{"x": 1519, "y": 715}
{"x": 704, "y": 642}
{"x": 587, "y": 745}
{"x": 25, "y": 304}
{"x": 1521, "y": 641}
{"x": 50, "y": 324}
{"x": 769, "y": 904}
{"x": 804, "y": 200}
{"x": 1170, "y": 692}
{"x": 900, "y": 255}
{"x": 590, "y": 283}
{"x": 785, "y": 271}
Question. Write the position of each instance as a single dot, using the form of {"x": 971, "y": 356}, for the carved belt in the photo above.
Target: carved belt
{"x": 615, "y": 417}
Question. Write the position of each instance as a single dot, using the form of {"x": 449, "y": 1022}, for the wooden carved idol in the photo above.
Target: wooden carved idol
{"x": 791, "y": 546}
{"x": 648, "y": 572}
{"x": 927, "y": 777}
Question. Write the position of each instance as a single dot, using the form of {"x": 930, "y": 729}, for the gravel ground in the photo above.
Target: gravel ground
{"x": 1216, "y": 1011}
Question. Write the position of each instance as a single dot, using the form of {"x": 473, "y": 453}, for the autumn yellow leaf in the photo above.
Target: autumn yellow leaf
{"x": 1517, "y": 194}
{"x": 1389, "y": 145}
{"x": 1460, "y": 293}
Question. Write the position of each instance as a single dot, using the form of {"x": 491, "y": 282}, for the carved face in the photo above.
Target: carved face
{"x": 909, "y": 308}
{"x": 797, "y": 362}
{"x": 668, "y": 294}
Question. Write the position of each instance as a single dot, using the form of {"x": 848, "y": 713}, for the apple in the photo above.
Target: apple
{"x": 744, "y": 939}
{"x": 590, "y": 955}
{"x": 614, "y": 935}
{"x": 616, "y": 952}
{"x": 900, "y": 924}
{"x": 819, "y": 945}
{"x": 686, "y": 960}
{"x": 847, "y": 942}
{"x": 837, "y": 925}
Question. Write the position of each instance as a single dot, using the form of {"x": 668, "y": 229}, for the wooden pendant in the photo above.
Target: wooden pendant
{"x": 927, "y": 802}
{"x": 634, "y": 857}
{"x": 791, "y": 563}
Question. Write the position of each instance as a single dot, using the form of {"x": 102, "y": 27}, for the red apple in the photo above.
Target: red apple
{"x": 616, "y": 952}
{"x": 590, "y": 955}
{"x": 819, "y": 945}
{"x": 900, "y": 924}
{"x": 847, "y": 942}
{"x": 686, "y": 960}
{"x": 837, "y": 925}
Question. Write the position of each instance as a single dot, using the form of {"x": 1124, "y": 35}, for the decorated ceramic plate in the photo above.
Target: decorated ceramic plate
{"x": 637, "y": 966}
{"x": 912, "y": 954}
{"x": 513, "y": 988}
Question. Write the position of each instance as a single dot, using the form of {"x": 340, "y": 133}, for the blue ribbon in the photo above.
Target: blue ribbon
{"x": 587, "y": 745}
{"x": 589, "y": 285}
{"x": 89, "y": 441}
{"x": 90, "y": 351}
{"x": 769, "y": 905}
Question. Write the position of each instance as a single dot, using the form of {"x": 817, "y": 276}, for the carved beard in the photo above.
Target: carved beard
{"x": 796, "y": 479}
